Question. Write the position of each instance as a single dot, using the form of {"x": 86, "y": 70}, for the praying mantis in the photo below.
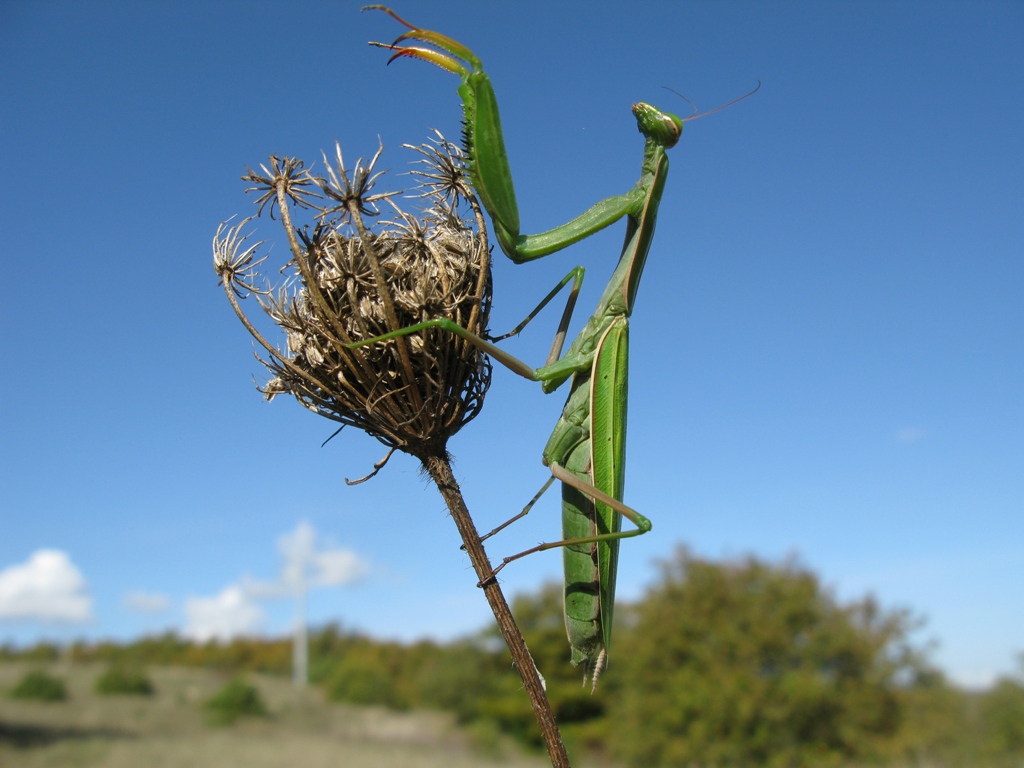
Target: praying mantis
{"x": 586, "y": 450}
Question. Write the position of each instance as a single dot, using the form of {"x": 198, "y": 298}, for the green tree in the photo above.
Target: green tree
{"x": 939, "y": 724}
{"x": 1002, "y": 720}
{"x": 749, "y": 663}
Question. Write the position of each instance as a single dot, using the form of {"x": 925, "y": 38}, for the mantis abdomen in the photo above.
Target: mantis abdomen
{"x": 589, "y": 442}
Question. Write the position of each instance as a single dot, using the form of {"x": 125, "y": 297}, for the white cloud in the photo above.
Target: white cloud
{"x": 235, "y": 611}
{"x": 327, "y": 567}
{"x": 338, "y": 566}
{"x": 47, "y": 587}
{"x": 263, "y": 590}
{"x": 146, "y": 602}
{"x": 331, "y": 566}
{"x": 231, "y": 613}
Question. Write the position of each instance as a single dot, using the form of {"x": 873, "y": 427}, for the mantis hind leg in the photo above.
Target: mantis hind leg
{"x": 643, "y": 525}
{"x": 524, "y": 513}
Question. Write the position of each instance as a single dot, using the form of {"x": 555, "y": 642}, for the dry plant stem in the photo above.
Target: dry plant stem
{"x": 440, "y": 470}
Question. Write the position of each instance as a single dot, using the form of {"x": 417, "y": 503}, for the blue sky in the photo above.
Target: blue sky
{"x": 826, "y": 352}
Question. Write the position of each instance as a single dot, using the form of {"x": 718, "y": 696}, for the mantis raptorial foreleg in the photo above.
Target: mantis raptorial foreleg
{"x": 485, "y": 148}
{"x": 514, "y": 364}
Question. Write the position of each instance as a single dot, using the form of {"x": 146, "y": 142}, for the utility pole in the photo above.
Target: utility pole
{"x": 300, "y": 641}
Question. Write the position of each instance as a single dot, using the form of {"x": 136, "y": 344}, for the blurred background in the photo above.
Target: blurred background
{"x": 826, "y": 350}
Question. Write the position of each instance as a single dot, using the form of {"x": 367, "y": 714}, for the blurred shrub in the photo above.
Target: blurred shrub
{"x": 236, "y": 699}
{"x": 120, "y": 680}
{"x": 40, "y": 652}
{"x": 39, "y": 686}
{"x": 361, "y": 678}
{"x": 1002, "y": 721}
{"x": 457, "y": 677}
{"x": 168, "y": 649}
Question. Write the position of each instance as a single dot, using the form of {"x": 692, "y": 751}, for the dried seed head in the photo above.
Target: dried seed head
{"x": 347, "y": 283}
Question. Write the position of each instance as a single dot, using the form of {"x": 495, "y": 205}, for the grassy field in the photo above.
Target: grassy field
{"x": 170, "y": 729}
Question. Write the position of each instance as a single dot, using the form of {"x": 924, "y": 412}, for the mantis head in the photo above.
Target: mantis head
{"x": 661, "y": 127}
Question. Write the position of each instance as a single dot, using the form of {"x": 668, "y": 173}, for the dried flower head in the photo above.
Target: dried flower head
{"x": 347, "y": 282}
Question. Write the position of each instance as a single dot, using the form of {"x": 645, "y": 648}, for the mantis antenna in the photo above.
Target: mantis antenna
{"x": 710, "y": 111}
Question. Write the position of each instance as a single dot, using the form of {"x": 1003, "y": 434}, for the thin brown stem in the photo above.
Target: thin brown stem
{"x": 439, "y": 468}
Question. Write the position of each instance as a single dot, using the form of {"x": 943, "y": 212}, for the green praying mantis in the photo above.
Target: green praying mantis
{"x": 586, "y": 450}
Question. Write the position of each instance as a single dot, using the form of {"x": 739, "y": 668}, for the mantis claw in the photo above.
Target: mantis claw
{"x": 389, "y": 12}
{"x": 438, "y": 59}
{"x": 483, "y": 142}
{"x": 448, "y": 45}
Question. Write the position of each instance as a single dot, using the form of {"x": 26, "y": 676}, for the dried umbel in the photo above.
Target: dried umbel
{"x": 347, "y": 282}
